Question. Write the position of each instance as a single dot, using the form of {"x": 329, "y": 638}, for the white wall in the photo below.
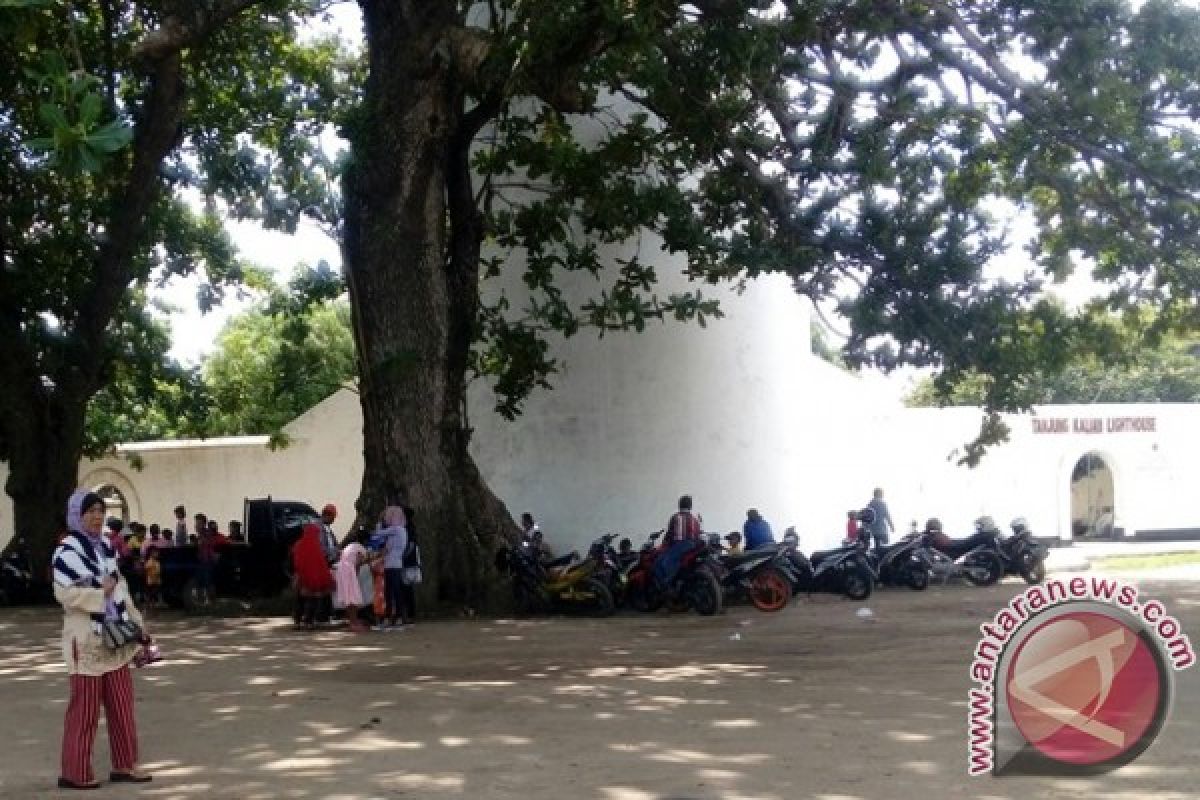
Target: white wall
{"x": 639, "y": 419}
{"x": 635, "y": 420}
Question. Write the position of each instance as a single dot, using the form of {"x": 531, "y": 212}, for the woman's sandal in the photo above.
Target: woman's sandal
{"x": 130, "y": 777}
{"x": 63, "y": 783}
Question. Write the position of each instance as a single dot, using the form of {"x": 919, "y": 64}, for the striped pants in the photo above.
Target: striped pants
{"x": 115, "y": 691}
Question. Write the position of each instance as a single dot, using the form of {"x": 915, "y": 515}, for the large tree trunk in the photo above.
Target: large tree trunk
{"x": 414, "y": 303}
{"x": 46, "y": 441}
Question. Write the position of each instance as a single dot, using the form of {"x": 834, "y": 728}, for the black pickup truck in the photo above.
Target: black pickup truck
{"x": 258, "y": 567}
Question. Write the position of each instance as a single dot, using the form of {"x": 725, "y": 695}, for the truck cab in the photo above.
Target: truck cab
{"x": 260, "y": 566}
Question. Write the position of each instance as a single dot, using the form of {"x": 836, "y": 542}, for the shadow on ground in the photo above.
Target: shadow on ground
{"x": 812, "y": 702}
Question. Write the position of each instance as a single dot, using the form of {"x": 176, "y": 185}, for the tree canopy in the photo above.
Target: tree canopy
{"x": 272, "y": 364}
{"x": 860, "y": 147}
{"x": 865, "y": 149}
{"x": 123, "y": 125}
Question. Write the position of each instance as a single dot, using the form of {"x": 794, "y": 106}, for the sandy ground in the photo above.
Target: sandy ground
{"x": 811, "y": 702}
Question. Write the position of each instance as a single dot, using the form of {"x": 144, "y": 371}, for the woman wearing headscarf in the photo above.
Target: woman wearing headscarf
{"x": 88, "y": 585}
{"x": 314, "y": 580}
{"x": 395, "y": 538}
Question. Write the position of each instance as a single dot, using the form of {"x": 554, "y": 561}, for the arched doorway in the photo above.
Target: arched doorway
{"x": 115, "y": 503}
{"x": 1093, "y": 498}
{"x": 121, "y": 498}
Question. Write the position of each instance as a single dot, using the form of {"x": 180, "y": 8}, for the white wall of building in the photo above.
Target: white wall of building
{"x": 739, "y": 414}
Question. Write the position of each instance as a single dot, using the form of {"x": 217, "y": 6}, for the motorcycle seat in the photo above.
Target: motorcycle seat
{"x": 960, "y": 547}
{"x": 737, "y": 559}
{"x": 822, "y": 555}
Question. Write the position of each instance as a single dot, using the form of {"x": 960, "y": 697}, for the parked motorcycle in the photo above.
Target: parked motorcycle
{"x": 975, "y": 559}
{"x": 901, "y": 564}
{"x": 1022, "y": 554}
{"x": 844, "y": 570}
{"x": 17, "y": 585}
{"x": 609, "y": 567}
{"x": 759, "y": 575}
{"x": 567, "y": 585}
{"x": 694, "y": 585}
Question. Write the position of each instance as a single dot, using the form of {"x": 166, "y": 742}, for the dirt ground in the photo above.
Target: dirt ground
{"x": 811, "y": 702}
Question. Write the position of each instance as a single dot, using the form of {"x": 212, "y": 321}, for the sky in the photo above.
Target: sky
{"x": 195, "y": 333}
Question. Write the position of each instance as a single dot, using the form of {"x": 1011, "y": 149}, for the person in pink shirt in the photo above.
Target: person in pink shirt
{"x": 154, "y": 540}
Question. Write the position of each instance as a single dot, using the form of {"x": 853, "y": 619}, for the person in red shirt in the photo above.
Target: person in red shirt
{"x": 219, "y": 539}
{"x": 684, "y": 531}
{"x": 683, "y": 525}
{"x": 851, "y": 526}
{"x": 314, "y": 579}
{"x": 115, "y": 527}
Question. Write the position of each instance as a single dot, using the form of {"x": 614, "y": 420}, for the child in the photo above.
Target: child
{"x": 349, "y": 588}
{"x": 153, "y": 578}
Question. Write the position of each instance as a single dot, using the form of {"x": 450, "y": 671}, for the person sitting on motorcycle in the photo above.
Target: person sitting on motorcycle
{"x": 545, "y": 555}
{"x": 852, "y": 528}
{"x": 625, "y": 554}
{"x": 937, "y": 536}
{"x": 683, "y": 533}
{"x": 735, "y": 542}
{"x": 791, "y": 538}
{"x": 757, "y": 531}
{"x": 683, "y": 525}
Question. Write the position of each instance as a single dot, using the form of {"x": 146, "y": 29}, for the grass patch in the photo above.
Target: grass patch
{"x": 1150, "y": 561}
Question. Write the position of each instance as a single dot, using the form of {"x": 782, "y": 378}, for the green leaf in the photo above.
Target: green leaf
{"x": 110, "y": 137}
{"x": 54, "y": 116}
{"x": 90, "y": 108}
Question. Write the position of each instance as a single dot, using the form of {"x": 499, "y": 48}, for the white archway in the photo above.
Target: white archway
{"x": 107, "y": 476}
{"x": 1063, "y": 490}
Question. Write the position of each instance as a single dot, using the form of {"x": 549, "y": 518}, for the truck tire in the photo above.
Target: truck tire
{"x": 190, "y": 599}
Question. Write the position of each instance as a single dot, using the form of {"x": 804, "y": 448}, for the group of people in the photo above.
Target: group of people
{"x": 686, "y": 526}
{"x": 756, "y": 532}
{"x": 372, "y": 574}
{"x": 137, "y": 547}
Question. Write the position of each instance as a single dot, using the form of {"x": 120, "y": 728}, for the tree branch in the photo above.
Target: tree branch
{"x": 185, "y": 25}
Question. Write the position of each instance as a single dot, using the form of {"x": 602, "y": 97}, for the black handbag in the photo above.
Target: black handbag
{"x": 119, "y": 633}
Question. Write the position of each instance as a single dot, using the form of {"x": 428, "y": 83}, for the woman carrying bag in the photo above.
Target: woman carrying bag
{"x": 102, "y": 633}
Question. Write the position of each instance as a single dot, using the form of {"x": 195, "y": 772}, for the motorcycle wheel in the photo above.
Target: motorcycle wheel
{"x": 704, "y": 593}
{"x": 645, "y": 598}
{"x": 1035, "y": 573}
{"x": 599, "y": 600}
{"x": 917, "y": 578}
{"x": 524, "y": 601}
{"x": 984, "y": 569}
{"x": 857, "y": 582}
{"x": 770, "y": 590}
{"x": 193, "y": 598}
